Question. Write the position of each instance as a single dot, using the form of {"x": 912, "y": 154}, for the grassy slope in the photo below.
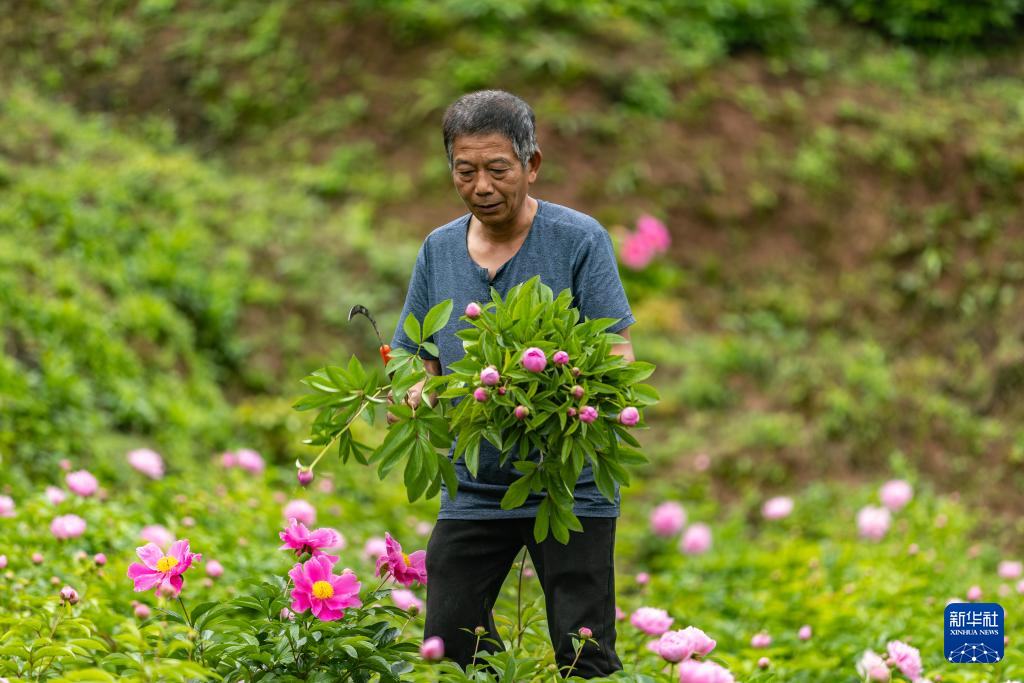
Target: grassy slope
{"x": 844, "y": 214}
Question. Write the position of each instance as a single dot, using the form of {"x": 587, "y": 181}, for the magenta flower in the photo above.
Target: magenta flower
{"x": 159, "y": 571}
{"x": 406, "y": 599}
{"x": 318, "y": 589}
{"x": 55, "y": 495}
{"x": 521, "y": 412}
{"x": 636, "y": 251}
{"x": 300, "y": 510}
{"x": 673, "y": 646}
{"x": 702, "y": 644}
{"x": 6, "y": 506}
{"x": 696, "y": 539}
{"x": 693, "y": 671}
{"x": 480, "y": 394}
{"x": 300, "y": 539}
{"x": 374, "y": 548}
{"x": 655, "y": 232}
{"x": 668, "y": 519}
{"x": 489, "y": 376}
{"x": 873, "y": 522}
{"x": 432, "y": 649}
{"x": 576, "y": 391}
{"x": 67, "y": 526}
{"x": 906, "y": 658}
{"x": 570, "y": 411}
{"x": 82, "y": 483}
{"x": 249, "y": 460}
{"x": 586, "y": 632}
{"x": 534, "y": 359}
{"x": 69, "y": 595}
{"x": 895, "y": 494}
{"x": 588, "y": 414}
{"x": 560, "y": 358}
{"x": 147, "y": 461}
{"x": 777, "y": 507}
{"x": 472, "y": 310}
{"x": 157, "y": 534}
{"x": 305, "y": 476}
{"x": 651, "y": 620}
{"x": 404, "y": 568}
{"x": 629, "y": 416}
{"x": 100, "y": 559}
{"x": 761, "y": 640}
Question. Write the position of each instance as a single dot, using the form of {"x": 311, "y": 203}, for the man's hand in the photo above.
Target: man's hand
{"x": 414, "y": 396}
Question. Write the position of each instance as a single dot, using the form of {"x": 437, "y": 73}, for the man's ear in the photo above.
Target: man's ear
{"x": 534, "y": 165}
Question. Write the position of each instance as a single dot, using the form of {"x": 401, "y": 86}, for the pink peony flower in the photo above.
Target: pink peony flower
{"x": 673, "y": 646}
{"x": 906, "y": 658}
{"x": 873, "y": 522}
{"x": 501, "y": 391}
{"x": 1010, "y": 570}
{"x": 6, "y": 506}
{"x": 300, "y": 539}
{"x": 560, "y": 358}
{"x": 82, "y": 483}
{"x": 570, "y": 411}
{"x": 777, "y": 508}
{"x": 629, "y": 416}
{"x": 228, "y": 459}
{"x": 67, "y": 526}
{"x": 696, "y": 539}
{"x": 586, "y": 632}
{"x": 643, "y": 578}
{"x": 619, "y": 614}
{"x": 763, "y": 663}
{"x": 100, "y": 559}
{"x": 804, "y": 633}
{"x": 65, "y": 464}
{"x": 3, "y": 562}
{"x": 37, "y": 558}
{"x": 702, "y": 644}
{"x": 374, "y": 548}
{"x": 404, "y": 568}
{"x": 406, "y": 599}
{"x": 147, "y": 461}
{"x": 305, "y": 476}
{"x": 872, "y": 667}
{"x": 1020, "y": 587}
{"x": 55, "y": 495}
{"x": 157, "y": 534}
{"x": 668, "y": 519}
{"x": 692, "y": 671}
{"x": 473, "y": 310}
{"x": 480, "y": 394}
{"x": 576, "y": 391}
{"x": 300, "y": 510}
{"x": 655, "y": 232}
{"x": 760, "y": 640}
{"x": 489, "y": 376}
{"x": 651, "y": 620}
{"x": 534, "y": 359}
{"x": 142, "y": 611}
{"x": 588, "y": 414}
{"x": 895, "y": 494}
{"x": 318, "y": 589}
{"x": 159, "y": 571}
{"x": 636, "y": 251}
{"x": 69, "y": 595}
{"x": 432, "y": 649}
{"x": 521, "y": 412}
{"x": 974, "y": 593}
{"x": 214, "y": 569}
{"x": 249, "y": 460}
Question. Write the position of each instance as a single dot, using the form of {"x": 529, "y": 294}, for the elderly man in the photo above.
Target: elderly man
{"x": 506, "y": 238}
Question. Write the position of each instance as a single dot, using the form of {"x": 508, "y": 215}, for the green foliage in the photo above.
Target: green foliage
{"x": 940, "y": 21}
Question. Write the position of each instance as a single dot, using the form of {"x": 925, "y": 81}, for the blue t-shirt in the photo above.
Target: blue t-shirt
{"x": 567, "y": 249}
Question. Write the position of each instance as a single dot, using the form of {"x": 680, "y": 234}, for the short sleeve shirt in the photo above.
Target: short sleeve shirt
{"x": 567, "y": 249}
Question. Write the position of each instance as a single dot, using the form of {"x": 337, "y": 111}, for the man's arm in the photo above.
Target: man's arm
{"x": 412, "y": 397}
{"x": 625, "y": 350}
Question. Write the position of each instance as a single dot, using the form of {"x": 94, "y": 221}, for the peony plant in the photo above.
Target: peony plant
{"x": 545, "y": 390}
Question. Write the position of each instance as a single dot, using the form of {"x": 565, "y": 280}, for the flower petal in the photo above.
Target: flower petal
{"x": 150, "y": 554}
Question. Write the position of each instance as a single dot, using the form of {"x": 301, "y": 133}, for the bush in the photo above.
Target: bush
{"x": 939, "y": 21}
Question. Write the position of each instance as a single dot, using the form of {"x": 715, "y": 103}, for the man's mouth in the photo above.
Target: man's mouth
{"x": 488, "y": 207}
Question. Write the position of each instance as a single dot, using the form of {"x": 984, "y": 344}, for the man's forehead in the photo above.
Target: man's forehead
{"x": 492, "y": 146}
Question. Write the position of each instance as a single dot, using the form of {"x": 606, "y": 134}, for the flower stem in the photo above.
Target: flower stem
{"x": 344, "y": 429}
{"x": 519, "y": 602}
{"x": 572, "y": 666}
{"x": 475, "y": 648}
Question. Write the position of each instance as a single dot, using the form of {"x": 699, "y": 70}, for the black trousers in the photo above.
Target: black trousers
{"x": 468, "y": 560}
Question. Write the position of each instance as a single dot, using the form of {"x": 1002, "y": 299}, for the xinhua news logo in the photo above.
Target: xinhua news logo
{"x": 974, "y": 632}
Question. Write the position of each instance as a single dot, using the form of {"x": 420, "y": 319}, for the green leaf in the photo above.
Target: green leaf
{"x": 540, "y": 524}
{"x": 412, "y": 328}
{"x": 516, "y": 494}
{"x": 436, "y": 318}
{"x": 431, "y": 348}
{"x": 451, "y": 481}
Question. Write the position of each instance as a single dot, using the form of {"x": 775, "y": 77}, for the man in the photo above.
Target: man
{"x": 507, "y": 238}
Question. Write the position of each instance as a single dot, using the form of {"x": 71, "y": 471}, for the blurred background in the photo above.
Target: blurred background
{"x": 193, "y": 195}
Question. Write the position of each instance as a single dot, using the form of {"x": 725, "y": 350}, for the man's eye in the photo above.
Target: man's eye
{"x": 498, "y": 172}
{"x": 465, "y": 175}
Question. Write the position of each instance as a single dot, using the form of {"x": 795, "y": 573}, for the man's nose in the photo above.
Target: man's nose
{"x": 483, "y": 185}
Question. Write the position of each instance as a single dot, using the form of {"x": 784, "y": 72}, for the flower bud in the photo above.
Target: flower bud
{"x": 629, "y": 416}
{"x": 576, "y": 391}
{"x": 472, "y": 310}
{"x": 588, "y": 414}
{"x": 100, "y": 559}
{"x": 560, "y": 358}
{"x": 489, "y": 376}
{"x": 571, "y": 412}
{"x": 432, "y": 649}
{"x": 763, "y": 663}
{"x": 305, "y": 476}
{"x": 479, "y": 630}
{"x": 501, "y": 391}
{"x": 69, "y": 595}
{"x": 586, "y": 632}
{"x": 576, "y": 372}
{"x": 521, "y": 412}
{"x": 142, "y": 611}
{"x": 480, "y": 394}
{"x": 534, "y": 360}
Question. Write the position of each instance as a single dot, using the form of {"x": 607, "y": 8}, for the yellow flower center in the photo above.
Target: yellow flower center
{"x": 405, "y": 556}
{"x": 165, "y": 563}
{"x": 322, "y": 590}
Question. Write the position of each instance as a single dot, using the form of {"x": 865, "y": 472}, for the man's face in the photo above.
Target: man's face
{"x": 490, "y": 179}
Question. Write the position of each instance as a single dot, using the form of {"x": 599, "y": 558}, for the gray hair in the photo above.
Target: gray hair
{"x": 492, "y": 111}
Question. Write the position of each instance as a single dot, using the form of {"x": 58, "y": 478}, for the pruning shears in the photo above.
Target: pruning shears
{"x": 385, "y": 349}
